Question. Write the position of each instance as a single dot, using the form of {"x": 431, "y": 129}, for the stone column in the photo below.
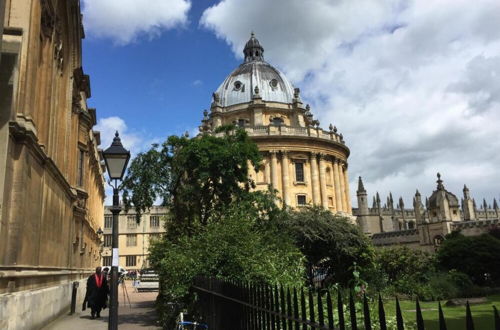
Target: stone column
{"x": 347, "y": 190}
{"x": 274, "y": 170}
{"x": 315, "y": 179}
{"x": 322, "y": 181}
{"x": 342, "y": 187}
{"x": 285, "y": 177}
{"x": 336, "y": 177}
{"x": 267, "y": 169}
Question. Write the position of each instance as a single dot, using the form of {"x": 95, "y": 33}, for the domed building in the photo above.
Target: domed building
{"x": 304, "y": 163}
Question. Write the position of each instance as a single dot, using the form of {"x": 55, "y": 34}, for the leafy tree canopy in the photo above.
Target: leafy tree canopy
{"x": 330, "y": 243}
{"x": 195, "y": 178}
{"x": 244, "y": 244}
{"x": 400, "y": 262}
{"x": 476, "y": 256}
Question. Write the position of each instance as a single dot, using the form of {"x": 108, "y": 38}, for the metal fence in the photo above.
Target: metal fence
{"x": 227, "y": 305}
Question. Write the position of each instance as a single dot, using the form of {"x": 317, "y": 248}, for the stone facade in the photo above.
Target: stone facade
{"x": 134, "y": 238}
{"x": 51, "y": 178}
{"x": 423, "y": 227}
{"x": 305, "y": 164}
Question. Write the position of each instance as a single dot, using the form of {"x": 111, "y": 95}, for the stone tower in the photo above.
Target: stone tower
{"x": 363, "y": 207}
{"x": 468, "y": 206}
{"x": 443, "y": 205}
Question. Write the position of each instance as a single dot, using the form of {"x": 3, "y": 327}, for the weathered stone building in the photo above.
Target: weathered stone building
{"x": 134, "y": 238}
{"x": 304, "y": 163}
{"x": 423, "y": 226}
{"x": 51, "y": 179}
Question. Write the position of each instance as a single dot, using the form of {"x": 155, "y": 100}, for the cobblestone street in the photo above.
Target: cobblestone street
{"x": 139, "y": 314}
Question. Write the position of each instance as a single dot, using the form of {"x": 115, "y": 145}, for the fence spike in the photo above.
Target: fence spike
{"x": 366, "y": 312}
{"x": 271, "y": 307}
{"x": 283, "y": 308}
{"x": 469, "y": 322}
{"x": 311, "y": 307}
{"x": 381, "y": 314}
{"x": 276, "y": 306}
{"x": 289, "y": 309}
{"x": 399, "y": 316}
{"x": 263, "y": 304}
{"x": 420, "y": 319}
{"x": 352, "y": 311}
{"x": 497, "y": 319}
{"x": 296, "y": 309}
{"x": 329, "y": 309}
{"x": 321, "y": 317}
{"x": 303, "y": 308}
{"x": 442, "y": 321}
{"x": 340, "y": 308}
{"x": 268, "y": 300}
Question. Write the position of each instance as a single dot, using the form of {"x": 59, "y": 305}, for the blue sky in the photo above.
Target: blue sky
{"x": 159, "y": 86}
{"x": 410, "y": 101}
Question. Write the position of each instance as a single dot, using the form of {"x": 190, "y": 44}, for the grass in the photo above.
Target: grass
{"x": 482, "y": 314}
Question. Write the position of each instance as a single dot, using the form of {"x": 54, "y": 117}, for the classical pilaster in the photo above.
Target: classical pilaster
{"x": 274, "y": 170}
{"x": 342, "y": 188}
{"x": 285, "y": 177}
{"x": 336, "y": 178}
{"x": 315, "y": 178}
{"x": 322, "y": 180}
{"x": 347, "y": 190}
{"x": 267, "y": 168}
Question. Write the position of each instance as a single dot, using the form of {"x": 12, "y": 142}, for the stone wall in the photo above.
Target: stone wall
{"x": 36, "y": 308}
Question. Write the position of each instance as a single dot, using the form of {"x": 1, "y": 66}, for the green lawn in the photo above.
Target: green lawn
{"x": 455, "y": 316}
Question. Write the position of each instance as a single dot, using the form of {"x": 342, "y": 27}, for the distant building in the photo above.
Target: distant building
{"x": 304, "y": 163}
{"x": 134, "y": 237}
{"x": 423, "y": 226}
{"x": 51, "y": 179}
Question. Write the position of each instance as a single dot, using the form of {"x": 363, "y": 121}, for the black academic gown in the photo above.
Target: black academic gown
{"x": 96, "y": 297}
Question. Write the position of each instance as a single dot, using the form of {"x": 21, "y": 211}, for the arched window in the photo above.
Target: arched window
{"x": 277, "y": 121}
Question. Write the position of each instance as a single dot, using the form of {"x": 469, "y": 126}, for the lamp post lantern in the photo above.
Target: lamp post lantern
{"x": 116, "y": 158}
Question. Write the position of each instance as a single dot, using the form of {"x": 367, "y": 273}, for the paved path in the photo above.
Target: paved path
{"x": 140, "y": 314}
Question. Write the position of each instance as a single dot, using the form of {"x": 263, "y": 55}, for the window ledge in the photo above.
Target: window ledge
{"x": 300, "y": 183}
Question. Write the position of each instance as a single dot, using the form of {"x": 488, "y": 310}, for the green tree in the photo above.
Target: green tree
{"x": 400, "y": 262}
{"x": 331, "y": 244}
{"x": 476, "y": 256}
{"x": 244, "y": 244}
{"x": 195, "y": 177}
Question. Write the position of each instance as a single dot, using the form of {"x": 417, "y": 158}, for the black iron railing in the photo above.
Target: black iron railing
{"x": 225, "y": 305}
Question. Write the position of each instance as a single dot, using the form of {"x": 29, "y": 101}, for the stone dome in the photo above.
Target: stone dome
{"x": 255, "y": 76}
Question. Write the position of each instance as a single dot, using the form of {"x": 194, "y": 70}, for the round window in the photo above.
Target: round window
{"x": 273, "y": 83}
{"x": 237, "y": 85}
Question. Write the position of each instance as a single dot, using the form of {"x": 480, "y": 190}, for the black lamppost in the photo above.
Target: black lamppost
{"x": 116, "y": 158}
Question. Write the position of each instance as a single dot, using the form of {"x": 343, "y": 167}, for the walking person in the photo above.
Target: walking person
{"x": 97, "y": 292}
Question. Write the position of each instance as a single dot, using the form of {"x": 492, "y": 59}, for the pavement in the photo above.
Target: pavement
{"x": 138, "y": 314}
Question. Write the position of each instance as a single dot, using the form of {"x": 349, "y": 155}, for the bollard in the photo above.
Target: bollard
{"x": 73, "y": 298}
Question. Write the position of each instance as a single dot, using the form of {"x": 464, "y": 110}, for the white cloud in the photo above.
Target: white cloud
{"x": 412, "y": 85}
{"x": 124, "y": 21}
{"x": 135, "y": 142}
{"x": 197, "y": 82}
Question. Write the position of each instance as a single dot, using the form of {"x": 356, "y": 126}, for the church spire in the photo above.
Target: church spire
{"x": 361, "y": 187}
{"x": 253, "y": 51}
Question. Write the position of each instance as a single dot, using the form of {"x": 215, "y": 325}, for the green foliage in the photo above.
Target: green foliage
{"x": 330, "y": 243}
{"x": 242, "y": 245}
{"x": 398, "y": 263}
{"x": 476, "y": 256}
{"x": 194, "y": 177}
